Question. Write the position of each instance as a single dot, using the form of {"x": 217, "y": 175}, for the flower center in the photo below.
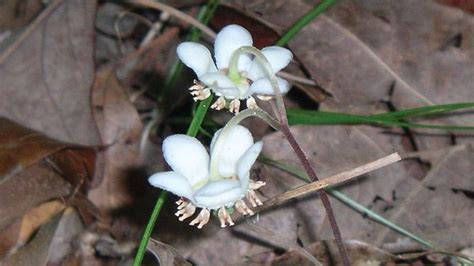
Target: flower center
{"x": 240, "y": 80}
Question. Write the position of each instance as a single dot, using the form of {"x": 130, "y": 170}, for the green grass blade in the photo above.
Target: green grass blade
{"x": 303, "y": 21}
{"x": 393, "y": 119}
{"x": 425, "y": 111}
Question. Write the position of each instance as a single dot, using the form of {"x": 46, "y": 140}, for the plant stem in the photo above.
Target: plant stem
{"x": 149, "y": 228}
{"x": 285, "y": 129}
{"x": 193, "y": 129}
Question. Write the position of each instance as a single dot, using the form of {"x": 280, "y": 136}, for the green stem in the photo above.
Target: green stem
{"x": 233, "y": 70}
{"x": 149, "y": 228}
{"x": 304, "y": 20}
{"x": 204, "y": 16}
{"x": 198, "y": 117}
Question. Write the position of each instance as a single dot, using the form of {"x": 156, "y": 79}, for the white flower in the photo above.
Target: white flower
{"x": 252, "y": 78}
{"x": 211, "y": 189}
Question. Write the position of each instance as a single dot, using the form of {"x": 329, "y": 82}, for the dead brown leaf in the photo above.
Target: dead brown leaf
{"x": 52, "y": 242}
{"x": 166, "y": 254}
{"x": 326, "y": 252}
{"x": 368, "y": 52}
{"x": 18, "y": 233}
{"x": 35, "y": 169}
{"x": 440, "y": 208}
{"x": 120, "y": 128}
{"x": 46, "y": 80}
{"x": 15, "y": 14}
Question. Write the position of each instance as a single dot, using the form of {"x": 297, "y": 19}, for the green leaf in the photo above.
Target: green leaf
{"x": 392, "y": 119}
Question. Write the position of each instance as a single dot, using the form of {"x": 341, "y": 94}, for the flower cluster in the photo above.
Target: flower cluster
{"x": 250, "y": 78}
{"x": 201, "y": 186}
{"x": 221, "y": 179}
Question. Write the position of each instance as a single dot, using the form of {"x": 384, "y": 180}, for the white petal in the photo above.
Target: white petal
{"x": 237, "y": 141}
{"x": 229, "y": 39}
{"x": 245, "y": 163}
{"x": 188, "y": 157}
{"x": 263, "y": 86}
{"x": 218, "y": 194}
{"x": 172, "y": 182}
{"x": 197, "y": 57}
{"x": 278, "y": 57}
{"x": 221, "y": 85}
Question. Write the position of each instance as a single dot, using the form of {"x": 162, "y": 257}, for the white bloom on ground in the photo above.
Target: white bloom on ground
{"x": 210, "y": 189}
{"x": 215, "y": 78}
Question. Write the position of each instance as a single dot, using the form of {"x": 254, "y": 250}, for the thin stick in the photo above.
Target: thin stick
{"x": 330, "y": 181}
{"x": 295, "y": 78}
{"x": 10, "y": 49}
{"x": 176, "y": 13}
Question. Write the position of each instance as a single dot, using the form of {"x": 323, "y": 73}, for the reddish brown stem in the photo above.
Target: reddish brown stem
{"x": 285, "y": 129}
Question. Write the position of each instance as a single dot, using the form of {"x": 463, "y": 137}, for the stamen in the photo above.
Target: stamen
{"x": 251, "y": 103}
{"x": 202, "y": 218}
{"x": 224, "y": 217}
{"x": 252, "y": 197}
{"x": 186, "y": 212}
{"x": 234, "y": 106}
{"x": 254, "y": 185}
{"x": 219, "y": 104}
{"x": 197, "y": 86}
{"x": 201, "y": 94}
{"x": 182, "y": 204}
{"x": 242, "y": 208}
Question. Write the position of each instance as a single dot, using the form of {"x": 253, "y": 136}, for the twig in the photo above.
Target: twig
{"x": 154, "y": 29}
{"x": 10, "y": 49}
{"x": 176, "y": 13}
{"x": 295, "y": 78}
{"x": 330, "y": 181}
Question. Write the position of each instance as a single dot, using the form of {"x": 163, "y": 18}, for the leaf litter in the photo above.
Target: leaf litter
{"x": 368, "y": 56}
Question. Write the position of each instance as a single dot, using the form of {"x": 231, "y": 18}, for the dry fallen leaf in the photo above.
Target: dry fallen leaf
{"x": 46, "y": 78}
{"x": 360, "y": 253}
{"x": 18, "y": 233}
{"x": 52, "y": 242}
{"x": 440, "y": 208}
{"x": 36, "y": 169}
{"x": 120, "y": 129}
{"x": 367, "y": 52}
{"x": 166, "y": 254}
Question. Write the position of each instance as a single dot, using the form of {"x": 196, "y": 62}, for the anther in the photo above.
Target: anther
{"x": 201, "y": 219}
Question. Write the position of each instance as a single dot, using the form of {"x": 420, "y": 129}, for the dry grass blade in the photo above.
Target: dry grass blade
{"x": 51, "y": 7}
{"x": 176, "y": 13}
{"x": 330, "y": 181}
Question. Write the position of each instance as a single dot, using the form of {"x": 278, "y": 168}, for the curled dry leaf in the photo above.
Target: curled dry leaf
{"x": 18, "y": 233}
{"x": 166, "y": 254}
{"x": 52, "y": 242}
{"x": 34, "y": 169}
